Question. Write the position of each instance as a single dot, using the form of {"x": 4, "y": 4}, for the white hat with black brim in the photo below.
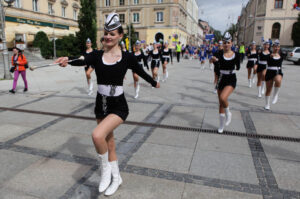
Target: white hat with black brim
{"x": 112, "y": 22}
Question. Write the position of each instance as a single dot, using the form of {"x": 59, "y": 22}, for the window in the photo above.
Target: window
{"x": 35, "y": 5}
{"x": 75, "y": 14}
{"x": 107, "y": 3}
{"x": 276, "y": 31}
{"x": 160, "y": 1}
{"x": 159, "y": 16}
{"x": 18, "y": 3}
{"x": 136, "y": 35}
{"x": 278, "y": 3}
{"x": 50, "y": 9}
{"x": 121, "y": 2}
{"x": 63, "y": 11}
{"x": 298, "y": 50}
{"x": 135, "y": 2}
{"x": 122, "y": 18}
{"x": 136, "y": 17}
{"x": 259, "y": 27}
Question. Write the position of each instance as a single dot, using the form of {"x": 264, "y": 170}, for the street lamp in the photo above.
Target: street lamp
{"x": 54, "y": 42}
{"x": 7, "y": 74}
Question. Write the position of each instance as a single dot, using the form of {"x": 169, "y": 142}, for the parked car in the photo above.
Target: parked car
{"x": 294, "y": 55}
{"x": 285, "y": 52}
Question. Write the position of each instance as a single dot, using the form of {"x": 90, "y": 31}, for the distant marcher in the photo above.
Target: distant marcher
{"x": 19, "y": 63}
{"x": 242, "y": 51}
{"x": 178, "y": 51}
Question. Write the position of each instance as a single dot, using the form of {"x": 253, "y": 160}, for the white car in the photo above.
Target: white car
{"x": 294, "y": 55}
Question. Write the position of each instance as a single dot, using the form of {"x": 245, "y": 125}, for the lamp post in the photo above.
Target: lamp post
{"x": 7, "y": 74}
{"x": 54, "y": 42}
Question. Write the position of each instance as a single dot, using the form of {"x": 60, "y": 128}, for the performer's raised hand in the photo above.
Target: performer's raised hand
{"x": 214, "y": 59}
{"x": 62, "y": 61}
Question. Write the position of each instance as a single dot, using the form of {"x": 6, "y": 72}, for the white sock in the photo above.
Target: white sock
{"x": 250, "y": 83}
{"x": 222, "y": 122}
{"x": 228, "y": 116}
{"x": 267, "y": 106}
{"x": 275, "y": 96}
{"x": 263, "y": 87}
{"x": 259, "y": 91}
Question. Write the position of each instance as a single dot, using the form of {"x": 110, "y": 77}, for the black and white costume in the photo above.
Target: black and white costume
{"x": 252, "y": 59}
{"x": 110, "y": 97}
{"x": 274, "y": 67}
{"x": 156, "y": 56}
{"x": 227, "y": 70}
{"x": 87, "y": 66}
{"x": 166, "y": 55}
{"x": 262, "y": 61}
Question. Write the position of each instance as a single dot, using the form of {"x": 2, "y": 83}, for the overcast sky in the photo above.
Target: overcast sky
{"x": 220, "y": 13}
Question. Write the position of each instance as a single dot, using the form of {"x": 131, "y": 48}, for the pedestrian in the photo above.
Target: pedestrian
{"x": 166, "y": 54}
{"x": 146, "y": 55}
{"x": 178, "y": 51}
{"x": 261, "y": 68}
{"x": 111, "y": 108}
{"x": 251, "y": 65}
{"x": 182, "y": 50}
{"x": 89, "y": 69}
{"x": 242, "y": 51}
{"x": 229, "y": 62}
{"x": 155, "y": 54}
{"x": 274, "y": 74}
{"x": 19, "y": 66}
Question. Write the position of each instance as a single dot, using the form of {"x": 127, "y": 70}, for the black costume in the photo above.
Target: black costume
{"x": 274, "y": 67}
{"x": 88, "y": 66}
{"x": 252, "y": 59}
{"x": 227, "y": 70}
{"x": 155, "y": 59}
{"x": 166, "y": 55}
{"x": 262, "y": 61}
{"x": 140, "y": 58}
{"x": 113, "y": 76}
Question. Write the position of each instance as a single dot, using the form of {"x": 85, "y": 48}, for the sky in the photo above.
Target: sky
{"x": 220, "y": 13}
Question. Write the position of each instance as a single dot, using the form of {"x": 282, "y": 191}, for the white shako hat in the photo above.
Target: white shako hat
{"x": 276, "y": 42}
{"x": 266, "y": 42}
{"x": 227, "y": 37}
{"x": 88, "y": 40}
{"x": 137, "y": 42}
{"x": 253, "y": 43}
{"x": 220, "y": 42}
{"x": 112, "y": 22}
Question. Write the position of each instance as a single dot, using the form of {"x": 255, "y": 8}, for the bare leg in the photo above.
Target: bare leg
{"x": 223, "y": 98}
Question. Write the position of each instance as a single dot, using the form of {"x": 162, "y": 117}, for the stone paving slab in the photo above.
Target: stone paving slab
{"x": 211, "y": 121}
{"x": 286, "y": 173}
{"x": 13, "y": 163}
{"x": 173, "y": 138}
{"x": 9, "y": 193}
{"x": 10, "y": 131}
{"x": 6, "y": 99}
{"x": 226, "y": 166}
{"x": 275, "y": 124}
{"x": 162, "y": 157}
{"x": 57, "y": 175}
{"x": 192, "y": 191}
{"x": 139, "y": 111}
{"x": 221, "y": 143}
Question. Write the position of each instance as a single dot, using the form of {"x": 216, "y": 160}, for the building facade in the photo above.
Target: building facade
{"x": 57, "y": 18}
{"x": 267, "y": 19}
{"x": 154, "y": 20}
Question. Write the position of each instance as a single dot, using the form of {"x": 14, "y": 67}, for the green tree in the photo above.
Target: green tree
{"x": 41, "y": 41}
{"x": 67, "y": 46}
{"x": 296, "y": 32}
{"x": 133, "y": 36}
{"x": 87, "y": 22}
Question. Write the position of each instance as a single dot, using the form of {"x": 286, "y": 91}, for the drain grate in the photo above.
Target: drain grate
{"x": 178, "y": 128}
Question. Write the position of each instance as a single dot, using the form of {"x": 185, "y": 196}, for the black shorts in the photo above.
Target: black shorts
{"x": 250, "y": 64}
{"x": 114, "y": 105}
{"x": 155, "y": 64}
{"x": 226, "y": 80}
{"x": 272, "y": 73}
{"x": 165, "y": 59}
{"x": 261, "y": 68}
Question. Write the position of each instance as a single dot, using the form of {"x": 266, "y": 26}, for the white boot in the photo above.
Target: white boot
{"x": 137, "y": 90}
{"x": 164, "y": 78}
{"x": 250, "y": 83}
{"x": 116, "y": 179}
{"x": 222, "y": 123}
{"x": 253, "y": 78}
{"x": 259, "y": 91}
{"x": 263, "y": 87}
{"x": 105, "y": 172}
{"x": 167, "y": 74}
{"x": 275, "y": 96}
{"x": 267, "y": 106}
{"x": 91, "y": 88}
{"x": 228, "y": 115}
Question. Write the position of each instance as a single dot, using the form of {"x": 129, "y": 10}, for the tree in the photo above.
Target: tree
{"x": 41, "y": 41}
{"x": 295, "y": 32}
{"x": 87, "y": 22}
{"x": 67, "y": 46}
{"x": 133, "y": 36}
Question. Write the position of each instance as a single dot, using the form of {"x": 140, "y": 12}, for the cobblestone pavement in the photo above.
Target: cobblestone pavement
{"x": 52, "y": 156}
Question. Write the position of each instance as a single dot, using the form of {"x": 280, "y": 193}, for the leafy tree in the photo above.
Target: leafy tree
{"x": 41, "y": 41}
{"x": 67, "y": 46}
{"x": 295, "y": 32}
{"x": 87, "y": 22}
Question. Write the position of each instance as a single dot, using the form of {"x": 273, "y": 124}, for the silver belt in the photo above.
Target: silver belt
{"x": 110, "y": 90}
{"x": 227, "y": 72}
{"x": 252, "y": 59}
{"x": 140, "y": 62}
{"x": 263, "y": 62}
{"x": 165, "y": 56}
{"x": 273, "y": 68}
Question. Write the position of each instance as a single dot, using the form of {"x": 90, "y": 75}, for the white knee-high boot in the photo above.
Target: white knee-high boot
{"x": 116, "y": 179}
{"x": 253, "y": 78}
{"x": 222, "y": 123}
{"x": 263, "y": 87}
{"x": 275, "y": 96}
{"x": 250, "y": 83}
{"x": 259, "y": 91}
{"x": 137, "y": 90}
{"x": 267, "y": 106}
{"x": 228, "y": 115}
{"x": 105, "y": 172}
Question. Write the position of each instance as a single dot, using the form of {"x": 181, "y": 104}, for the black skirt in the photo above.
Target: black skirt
{"x": 155, "y": 64}
{"x": 165, "y": 59}
{"x": 272, "y": 73}
{"x": 261, "y": 68}
{"x": 106, "y": 105}
{"x": 250, "y": 64}
{"x": 226, "y": 80}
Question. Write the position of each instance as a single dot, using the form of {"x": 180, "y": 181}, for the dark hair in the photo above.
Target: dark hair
{"x": 120, "y": 30}
{"x": 20, "y": 52}
{"x": 102, "y": 39}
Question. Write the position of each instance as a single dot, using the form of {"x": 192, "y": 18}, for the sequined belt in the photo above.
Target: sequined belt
{"x": 110, "y": 90}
